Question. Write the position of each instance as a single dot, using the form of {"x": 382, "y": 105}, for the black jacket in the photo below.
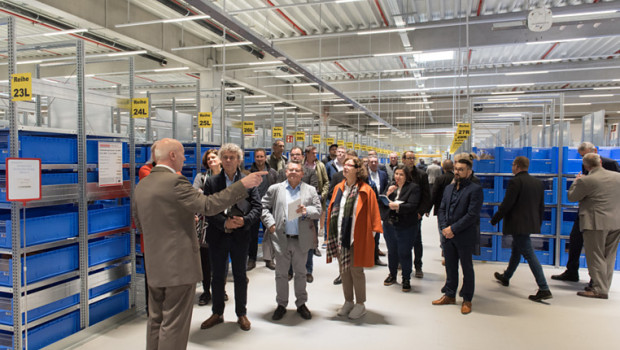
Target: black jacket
{"x": 250, "y": 206}
{"x": 465, "y": 218}
{"x": 441, "y": 182}
{"x": 523, "y": 206}
{"x": 336, "y": 179}
{"x": 421, "y": 178}
{"x": 407, "y": 211}
{"x": 268, "y": 180}
{"x": 608, "y": 164}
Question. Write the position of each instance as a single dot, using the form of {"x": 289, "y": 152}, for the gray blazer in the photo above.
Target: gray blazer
{"x": 274, "y": 203}
{"x": 598, "y": 194}
{"x": 164, "y": 205}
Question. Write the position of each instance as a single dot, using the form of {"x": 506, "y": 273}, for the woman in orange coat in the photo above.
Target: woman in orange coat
{"x": 353, "y": 216}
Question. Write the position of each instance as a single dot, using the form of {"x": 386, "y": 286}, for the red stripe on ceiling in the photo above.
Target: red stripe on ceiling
{"x": 404, "y": 65}
{"x": 615, "y": 53}
{"x": 469, "y": 57}
{"x": 303, "y": 32}
{"x": 52, "y": 27}
{"x": 565, "y": 86}
{"x": 479, "y": 7}
{"x": 147, "y": 79}
{"x": 385, "y": 21}
{"x": 107, "y": 81}
{"x": 193, "y": 76}
{"x": 595, "y": 1}
{"x": 549, "y": 51}
{"x": 344, "y": 69}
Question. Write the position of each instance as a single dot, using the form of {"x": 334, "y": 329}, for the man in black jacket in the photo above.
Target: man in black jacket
{"x": 421, "y": 178}
{"x": 522, "y": 211}
{"x": 576, "y": 236}
{"x": 441, "y": 182}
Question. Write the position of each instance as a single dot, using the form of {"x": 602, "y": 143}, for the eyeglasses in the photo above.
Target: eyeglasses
{"x": 294, "y": 170}
{"x": 351, "y": 166}
{"x": 410, "y": 158}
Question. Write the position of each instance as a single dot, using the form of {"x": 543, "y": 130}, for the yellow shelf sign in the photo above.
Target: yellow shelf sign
{"x": 463, "y": 131}
{"x": 300, "y": 136}
{"x": 21, "y": 87}
{"x": 277, "y": 132}
{"x": 357, "y": 146}
{"x": 248, "y": 128}
{"x": 349, "y": 145}
{"x": 140, "y": 107}
{"x": 205, "y": 120}
{"x": 340, "y": 143}
{"x": 364, "y": 148}
{"x": 316, "y": 139}
{"x": 329, "y": 141}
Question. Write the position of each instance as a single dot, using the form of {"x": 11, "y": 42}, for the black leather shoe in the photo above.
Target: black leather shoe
{"x": 378, "y": 262}
{"x": 279, "y": 313}
{"x": 309, "y": 278}
{"x": 565, "y": 276}
{"x": 290, "y": 276}
{"x": 304, "y": 312}
{"x": 406, "y": 285}
{"x": 251, "y": 265}
{"x": 419, "y": 273}
{"x": 270, "y": 265}
{"x": 338, "y": 280}
{"x": 541, "y": 295}
{"x": 317, "y": 252}
{"x": 225, "y": 296}
{"x": 501, "y": 279}
{"x": 390, "y": 280}
{"x": 204, "y": 299}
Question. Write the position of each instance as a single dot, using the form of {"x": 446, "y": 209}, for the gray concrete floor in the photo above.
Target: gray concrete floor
{"x": 502, "y": 318}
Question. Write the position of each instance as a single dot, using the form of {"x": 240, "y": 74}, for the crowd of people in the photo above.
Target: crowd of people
{"x": 192, "y": 233}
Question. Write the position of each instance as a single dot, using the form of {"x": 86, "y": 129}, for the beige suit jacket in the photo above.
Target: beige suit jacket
{"x": 164, "y": 205}
{"x": 598, "y": 194}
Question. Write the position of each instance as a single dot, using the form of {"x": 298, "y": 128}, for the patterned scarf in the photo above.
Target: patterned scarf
{"x": 342, "y": 242}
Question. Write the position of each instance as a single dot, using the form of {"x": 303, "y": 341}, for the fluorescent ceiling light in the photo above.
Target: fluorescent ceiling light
{"x": 507, "y": 92}
{"x": 256, "y": 96}
{"x": 411, "y": 78}
{"x": 305, "y": 113}
{"x": 591, "y": 96}
{"x": 332, "y": 99}
{"x": 344, "y": 1}
{"x": 354, "y": 112}
{"x": 239, "y": 43}
{"x": 386, "y": 30}
{"x": 250, "y": 114}
{"x": 538, "y": 61}
{"x": 235, "y": 88}
{"x": 342, "y": 105}
{"x": 268, "y": 102}
{"x": 434, "y": 56}
{"x": 288, "y": 76}
{"x": 528, "y": 72}
{"x": 578, "y": 104}
{"x": 408, "y": 97}
{"x": 406, "y": 117}
{"x": 583, "y": 14}
{"x": 305, "y": 84}
{"x": 502, "y": 99}
{"x": 423, "y": 110}
{"x": 170, "y": 69}
{"x": 126, "y": 53}
{"x": 164, "y": 20}
{"x": 403, "y": 70}
{"x": 263, "y": 63}
{"x": 511, "y": 85}
{"x": 554, "y": 41}
{"x": 320, "y": 93}
{"x": 607, "y": 88}
{"x": 402, "y": 53}
{"x": 283, "y": 108}
{"x": 419, "y": 103}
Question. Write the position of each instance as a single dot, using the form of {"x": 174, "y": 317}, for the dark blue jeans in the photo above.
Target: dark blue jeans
{"x": 399, "y": 243}
{"x": 522, "y": 245}
{"x": 220, "y": 247}
{"x": 454, "y": 253}
{"x": 417, "y": 245}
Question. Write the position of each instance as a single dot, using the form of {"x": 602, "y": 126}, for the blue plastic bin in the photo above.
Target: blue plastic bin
{"x": 504, "y": 248}
{"x": 571, "y": 161}
{"x": 108, "y": 248}
{"x": 486, "y": 213}
{"x": 51, "y": 150}
{"x": 549, "y": 220}
{"x": 544, "y": 248}
{"x": 550, "y": 186}
{"x": 6, "y": 308}
{"x": 569, "y": 215}
{"x": 108, "y": 287}
{"x": 106, "y": 219}
{"x": 566, "y": 184}
{"x": 507, "y": 155}
{"x": 489, "y": 187}
{"x": 92, "y": 151}
{"x": 47, "y": 333}
{"x": 140, "y": 265}
{"x": 488, "y": 248}
{"x": 108, "y": 307}
{"x": 42, "y": 225}
{"x": 44, "y": 265}
{"x": 486, "y": 165}
{"x": 564, "y": 246}
{"x": 544, "y": 160}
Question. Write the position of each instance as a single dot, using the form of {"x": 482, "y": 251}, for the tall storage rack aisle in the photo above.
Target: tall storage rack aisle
{"x": 494, "y": 168}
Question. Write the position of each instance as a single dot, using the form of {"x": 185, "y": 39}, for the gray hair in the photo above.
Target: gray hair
{"x": 591, "y": 160}
{"x": 230, "y": 148}
{"x": 295, "y": 162}
{"x": 586, "y": 146}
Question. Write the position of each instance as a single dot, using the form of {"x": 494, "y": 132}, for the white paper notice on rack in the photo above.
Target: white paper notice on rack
{"x": 110, "y": 164}
{"x": 292, "y": 209}
{"x": 23, "y": 182}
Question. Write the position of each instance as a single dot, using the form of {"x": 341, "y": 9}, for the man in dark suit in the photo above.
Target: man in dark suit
{"x": 164, "y": 205}
{"x": 378, "y": 180}
{"x": 332, "y": 154}
{"x": 336, "y": 165}
{"x": 576, "y": 236}
{"x": 459, "y": 215}
{"x": 228, "y": 234}
{"x": 441, "y": 182}
{"x": 522, "y": 210}
{"x": 373, "y": 153}
{"x": 421, "y": 178}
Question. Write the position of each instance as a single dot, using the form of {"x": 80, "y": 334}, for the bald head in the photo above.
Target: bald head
{"x": 170, "y": 152}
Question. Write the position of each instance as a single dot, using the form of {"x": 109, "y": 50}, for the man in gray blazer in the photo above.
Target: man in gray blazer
{"x": 164, "y": 205}
{"x": 598, "y": 194}
{"x": 292, "y": 238}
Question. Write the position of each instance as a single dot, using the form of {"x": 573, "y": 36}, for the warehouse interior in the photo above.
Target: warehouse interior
{"x": 529, "y": 77}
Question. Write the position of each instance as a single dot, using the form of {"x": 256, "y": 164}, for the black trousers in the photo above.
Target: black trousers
{"x": 253, "y": 248}
{"x": 417, "y": 246}
{"x": 205, "y": 262}
{"x": 574, "y": 249}
{"x": 221, "y": 245}
{"x": 455, "y": 253}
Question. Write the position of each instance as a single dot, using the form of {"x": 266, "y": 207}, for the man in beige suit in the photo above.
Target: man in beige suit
{"x": 164, "y": 205}
{"x": 598, "y": 194}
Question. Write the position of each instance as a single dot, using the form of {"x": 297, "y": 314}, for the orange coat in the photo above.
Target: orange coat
{"x": 367, "y": 221}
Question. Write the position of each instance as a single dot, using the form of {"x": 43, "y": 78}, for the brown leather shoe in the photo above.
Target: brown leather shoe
{"x": 444, "y": 300}
{"x": 466, "y": 307}
{"x": 212, "y": 321}
{"x": 592, "y": 294}
{"x": 244, "y": 323}
{"x": 381, "y": 253}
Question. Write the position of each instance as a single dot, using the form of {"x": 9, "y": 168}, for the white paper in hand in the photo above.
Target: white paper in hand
{"x": 292, "y": 209}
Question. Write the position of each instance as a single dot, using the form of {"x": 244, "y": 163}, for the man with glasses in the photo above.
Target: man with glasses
{"x": 421, "y": 178}
{"x": 459, "y": 215}
{"x": 576, "y": 236}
